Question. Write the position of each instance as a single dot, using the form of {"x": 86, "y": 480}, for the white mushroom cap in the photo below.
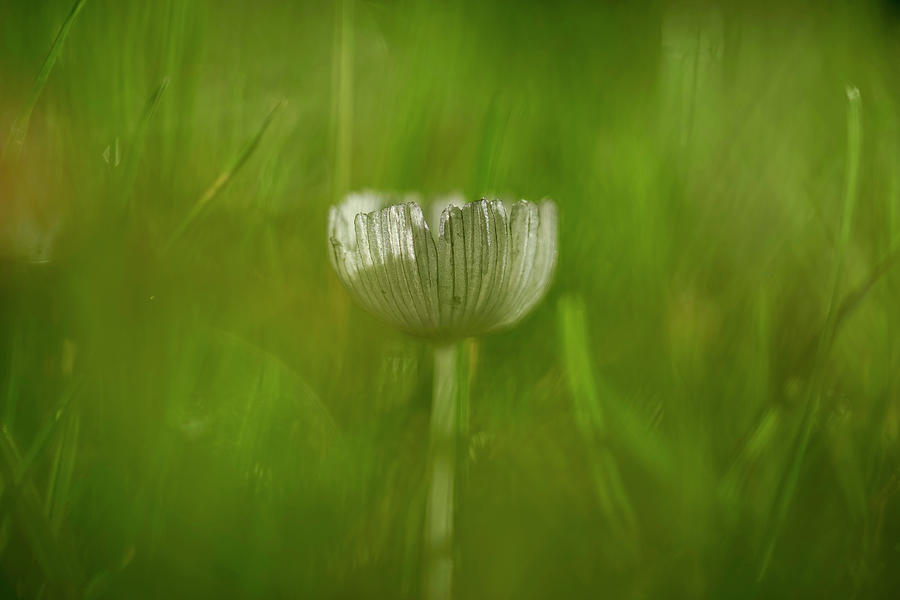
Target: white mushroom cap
{"x": 490, "y": 264}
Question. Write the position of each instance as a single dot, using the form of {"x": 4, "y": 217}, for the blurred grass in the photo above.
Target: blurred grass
{"x": 219, "y": 420}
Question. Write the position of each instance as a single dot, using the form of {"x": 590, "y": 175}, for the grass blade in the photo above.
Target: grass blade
{"x": 137, "y": 142}
{"x": 58, "y": 565}
{"x": 16, "y": 139}
{"x": 593, "y": 423}
{"x": 222, "y": 180}
{"x": 785, "y": 492}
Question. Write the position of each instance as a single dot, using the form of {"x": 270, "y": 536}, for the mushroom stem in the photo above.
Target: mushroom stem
{"x": 438, "y": 581}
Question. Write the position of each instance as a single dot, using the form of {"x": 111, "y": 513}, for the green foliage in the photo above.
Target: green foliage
{"x": 705, "y": 405}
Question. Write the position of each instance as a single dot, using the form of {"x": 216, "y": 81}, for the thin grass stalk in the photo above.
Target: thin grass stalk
{"x": 894, "y": 245}
{"x": 342, "y": 102}
{"x": 788, "y": 484}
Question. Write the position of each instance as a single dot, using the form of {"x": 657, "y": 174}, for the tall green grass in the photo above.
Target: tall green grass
{"x": 705, "y": 405}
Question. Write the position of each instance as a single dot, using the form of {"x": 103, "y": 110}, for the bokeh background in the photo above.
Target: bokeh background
{"x": 706, "y": 405}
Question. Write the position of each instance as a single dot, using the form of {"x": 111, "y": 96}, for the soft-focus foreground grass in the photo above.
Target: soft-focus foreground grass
{"x": 707, "y": 403}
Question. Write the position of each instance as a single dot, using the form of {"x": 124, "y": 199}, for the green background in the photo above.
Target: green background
{"x": 706, "y": 404}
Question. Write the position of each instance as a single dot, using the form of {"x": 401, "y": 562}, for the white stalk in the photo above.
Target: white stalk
{"x": 438, "y": 582}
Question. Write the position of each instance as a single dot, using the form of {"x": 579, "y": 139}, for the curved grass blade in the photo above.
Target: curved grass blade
{"x": 16, "y": 139}
{"x": 137, "y": 142}
{"x": 593, "y": 421}
{"x": 788, "y": 484}
{"x": 222, "y": 180}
